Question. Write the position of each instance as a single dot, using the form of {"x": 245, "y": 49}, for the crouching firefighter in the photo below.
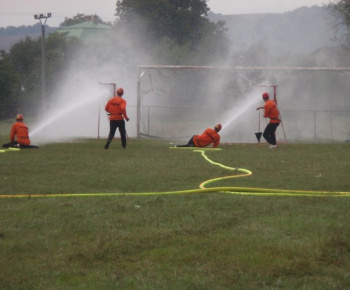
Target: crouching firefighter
{"x": 19, "y": 131}
{"x": 209, "y": 136}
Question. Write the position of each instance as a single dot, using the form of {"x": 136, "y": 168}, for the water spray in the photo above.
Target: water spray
{"x": 239, "y": 110}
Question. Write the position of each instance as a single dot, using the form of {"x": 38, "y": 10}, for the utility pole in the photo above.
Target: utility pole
{"x": 43, "y": 64}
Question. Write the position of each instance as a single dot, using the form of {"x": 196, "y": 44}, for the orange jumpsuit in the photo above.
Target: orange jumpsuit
{"x": 116, "y": 106}
{"x": 271, "y": 111}
{"x": 209, "y": 136}
{"x": 21, "y": 130}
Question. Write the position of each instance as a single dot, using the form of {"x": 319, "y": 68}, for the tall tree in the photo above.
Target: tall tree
{"x": 161, "y": 22}
{"x": 181, "y": 20}
{"x": 20, "y": 70}
{"x": 79, "y": 18}
{"x": 9, "y": 85}
{"x": 25, "y": 57}
{"x": 341, "y": 9}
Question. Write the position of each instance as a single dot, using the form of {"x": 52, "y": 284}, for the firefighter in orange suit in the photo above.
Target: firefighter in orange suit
{"x": 116, "y": 108}
{"x": 19, "y": 129}
{"x": 271, "y": 112}
{"x": 209, "y": 136}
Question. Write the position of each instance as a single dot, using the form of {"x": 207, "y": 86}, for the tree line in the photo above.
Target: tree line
{"x": 341, "y": 9}
{"x": 24, "y": 30}
{"x": 165, "y": 31}
{"x": 169, "y": 32}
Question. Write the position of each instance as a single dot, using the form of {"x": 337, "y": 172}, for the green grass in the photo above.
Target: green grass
{"x": 86, "y": 167}
{"x": 191, "y": 241}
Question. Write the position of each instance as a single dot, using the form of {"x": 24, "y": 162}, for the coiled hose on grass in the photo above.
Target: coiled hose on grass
{"x": 202, "y": 187}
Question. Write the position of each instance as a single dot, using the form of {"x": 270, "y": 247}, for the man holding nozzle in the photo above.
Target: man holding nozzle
{"x": 116, "y": 108}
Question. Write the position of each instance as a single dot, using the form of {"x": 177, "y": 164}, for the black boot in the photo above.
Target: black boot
{"x": 107, "y": 144}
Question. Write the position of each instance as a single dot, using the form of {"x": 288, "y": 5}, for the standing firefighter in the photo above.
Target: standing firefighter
{"x": 209, "y": 136}
{"x": 271, "y": 112}
{"x": 116, "y": 107}
{"x": 19, "y": 129}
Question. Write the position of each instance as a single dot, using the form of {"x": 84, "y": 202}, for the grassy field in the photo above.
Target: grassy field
{"x": 181, "y": 241}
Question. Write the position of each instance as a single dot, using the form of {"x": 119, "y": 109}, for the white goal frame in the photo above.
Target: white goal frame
{"x": 141, "y": 68}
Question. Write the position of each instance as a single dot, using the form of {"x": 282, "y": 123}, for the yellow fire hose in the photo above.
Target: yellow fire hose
{"x": 202, "y": 186}
{"x": 9, "y": 150}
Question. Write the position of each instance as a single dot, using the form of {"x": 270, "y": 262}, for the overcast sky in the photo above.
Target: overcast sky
{"x": 21, "y": 12}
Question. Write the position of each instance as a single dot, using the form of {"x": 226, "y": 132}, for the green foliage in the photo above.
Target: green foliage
{"x": 24, "y": 52}
{"x": 20, "y": 76}
{"x": 79, "y": 18}
{"x": 9, "y": 85}
{"x": 25, "y": 30}
{"x": 341, "y": 9}
{"x": 168, "y": 51}
{"x": 213, "y": 48}
{"x": 169, "y": 32}
{"x": 25, "y": 57}
{"x": 182, "y": 22}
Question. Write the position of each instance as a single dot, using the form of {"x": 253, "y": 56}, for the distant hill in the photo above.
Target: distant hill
{"x": 300, "y": 31}
{"x": 6, "y": 41}
{"x": 11, "y": 34}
